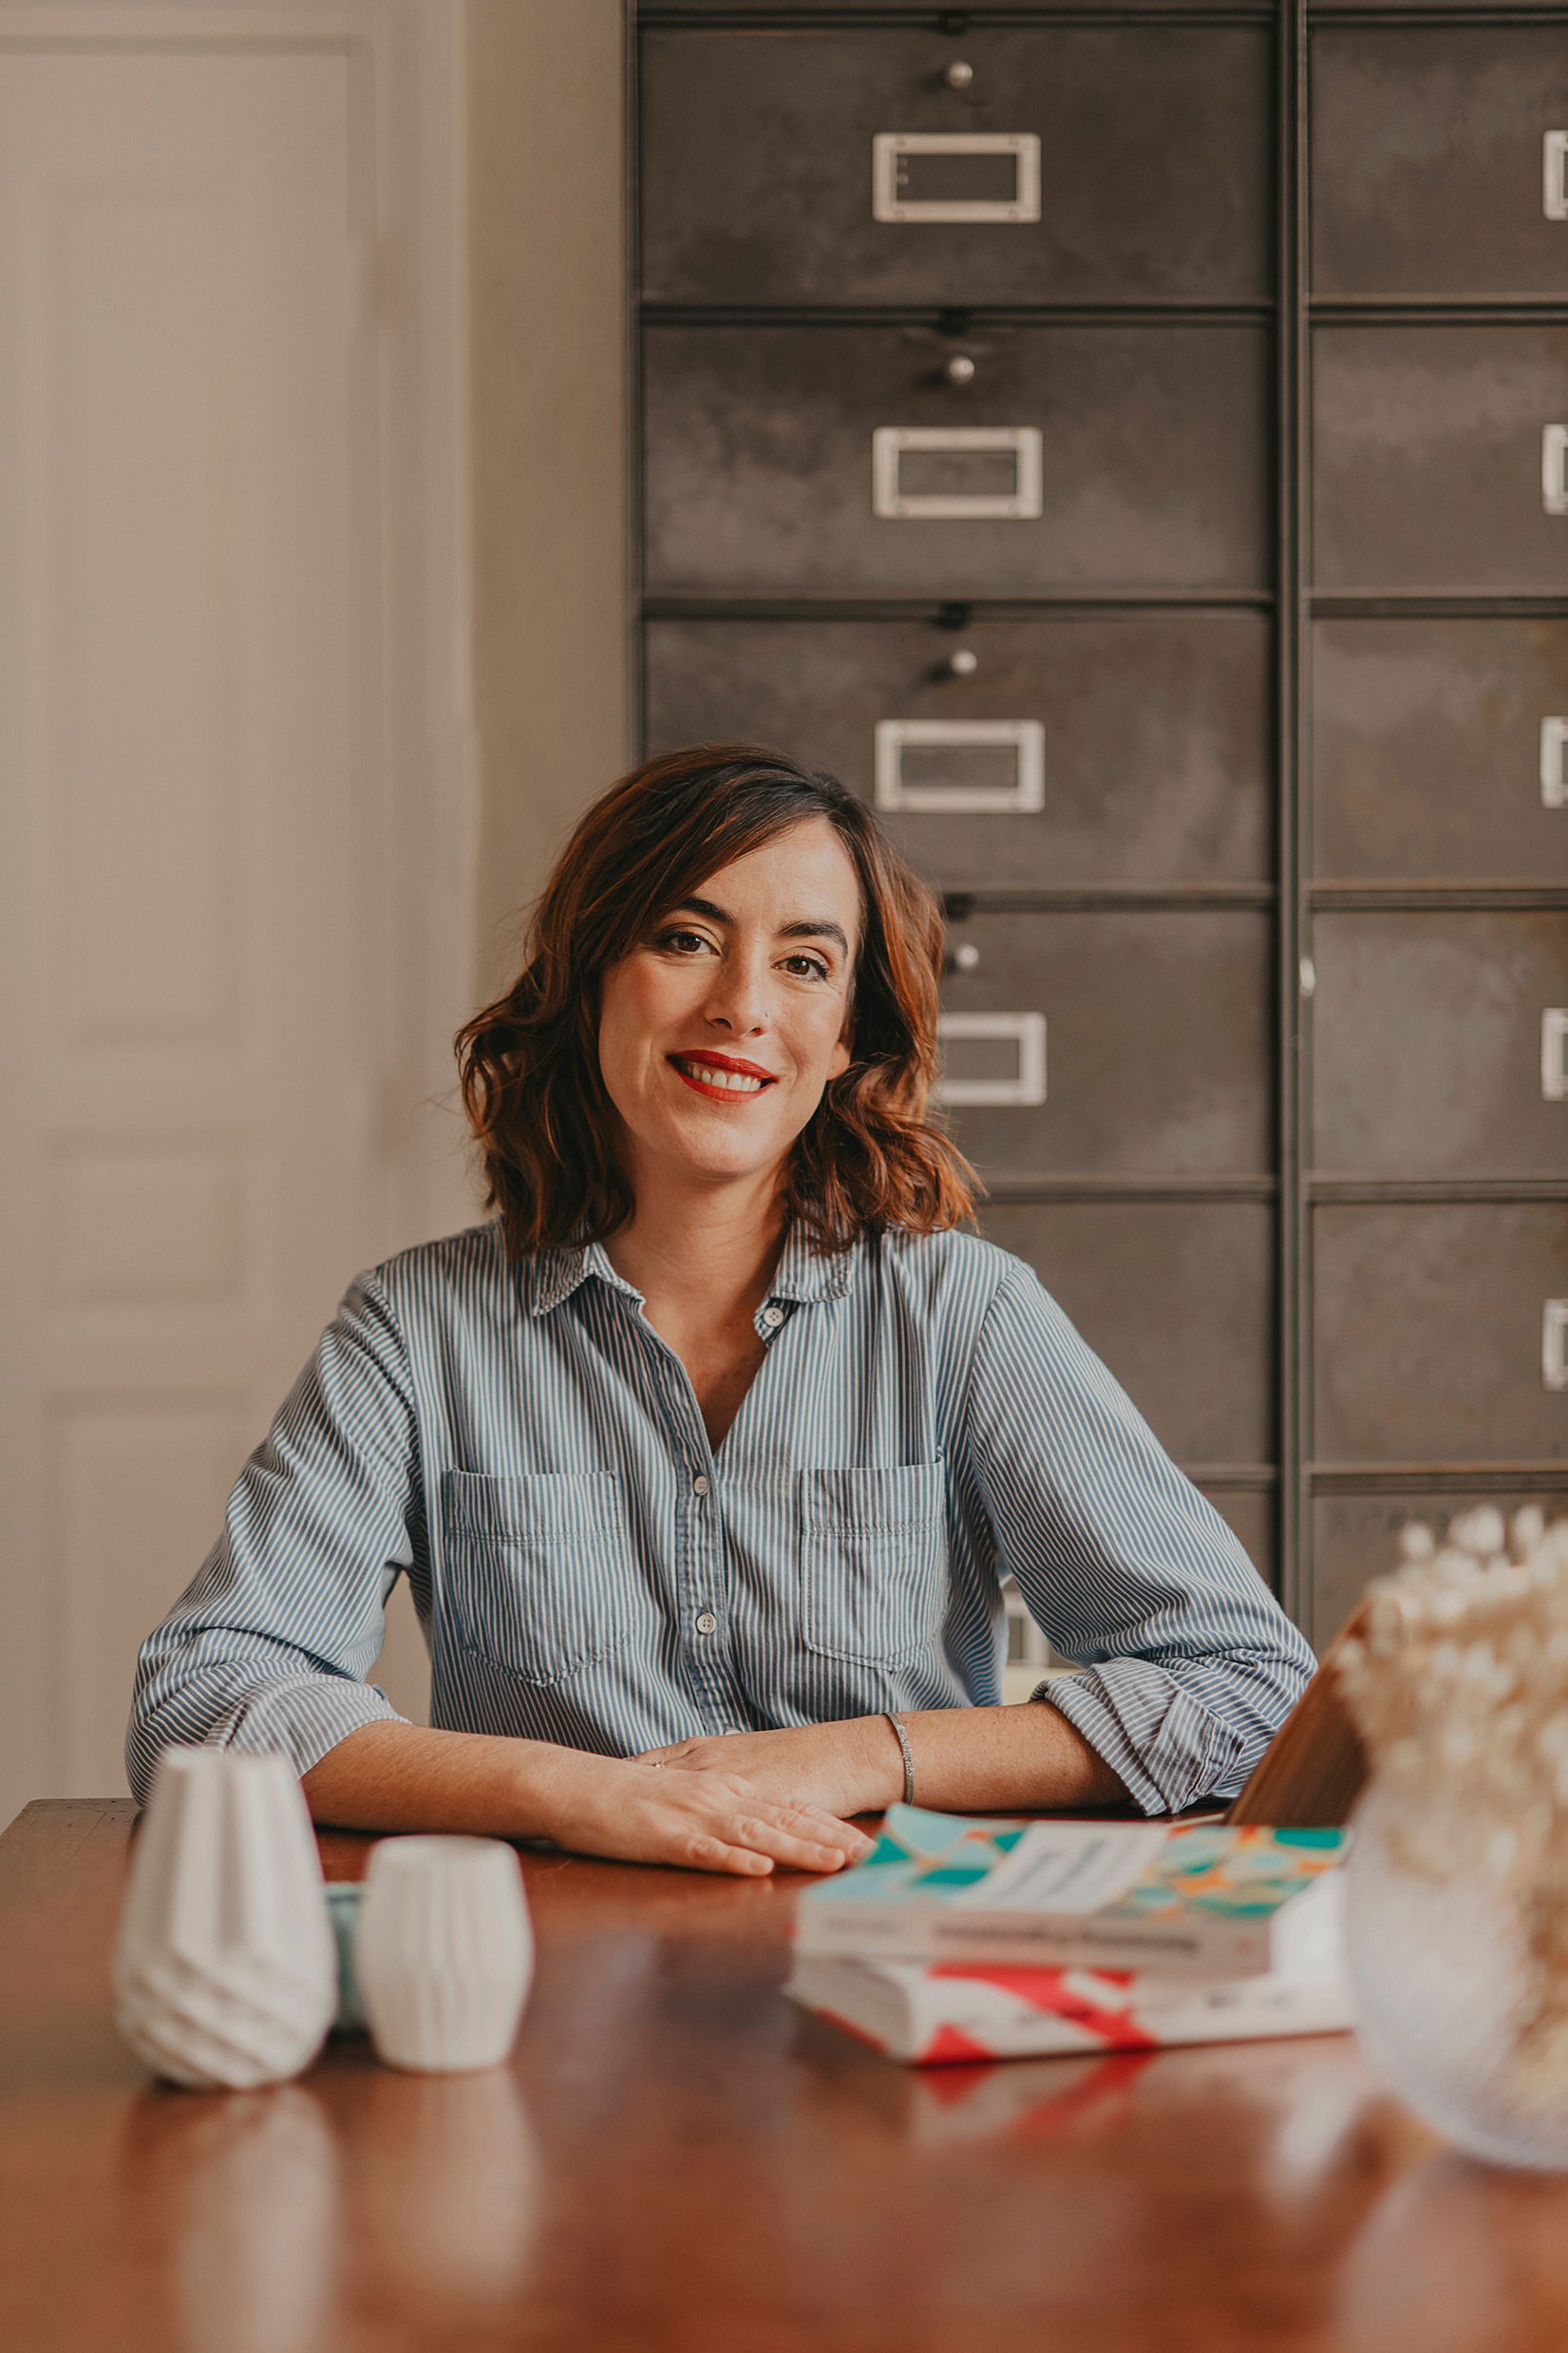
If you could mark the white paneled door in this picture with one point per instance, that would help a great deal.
(202, 1019)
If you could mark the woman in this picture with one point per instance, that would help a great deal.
(708, 1453)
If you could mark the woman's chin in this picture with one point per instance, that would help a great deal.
(716, 1159)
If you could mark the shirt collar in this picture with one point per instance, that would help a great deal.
(805, 1273)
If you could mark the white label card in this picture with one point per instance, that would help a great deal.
(1067, 1867)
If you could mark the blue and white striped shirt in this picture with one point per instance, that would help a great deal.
(522, 1446)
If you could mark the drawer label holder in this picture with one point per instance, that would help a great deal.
(918, 175)
(1554, 1344)
(1025, 796)
(1020, 503)
(1027, 1031)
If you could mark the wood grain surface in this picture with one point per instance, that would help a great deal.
(675, 2159)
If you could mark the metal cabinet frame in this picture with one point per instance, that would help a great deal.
(1293, 605)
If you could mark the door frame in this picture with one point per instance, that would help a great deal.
(407, 155)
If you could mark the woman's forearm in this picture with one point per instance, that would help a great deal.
(1026, 1758)
(397, 1776)
(977, 1760)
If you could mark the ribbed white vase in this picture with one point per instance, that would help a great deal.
(225, 1972)
(444, 1954)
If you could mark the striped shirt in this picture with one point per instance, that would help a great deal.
(520, 1443)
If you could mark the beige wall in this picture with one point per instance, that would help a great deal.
(547, 196)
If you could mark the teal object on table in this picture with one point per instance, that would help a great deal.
(343, 1899)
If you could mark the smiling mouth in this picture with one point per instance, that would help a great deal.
(718, 1080)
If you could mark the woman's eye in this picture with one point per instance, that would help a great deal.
(811, 965)
(682, 941)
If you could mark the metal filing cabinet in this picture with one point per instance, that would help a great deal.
(1157, 517)
(757, 151)
(1435, 1102)
(834, 460)
(952, 726)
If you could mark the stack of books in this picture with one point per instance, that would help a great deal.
(972, 1940)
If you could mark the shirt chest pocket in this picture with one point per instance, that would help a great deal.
(538, 1569)
(872, 1568)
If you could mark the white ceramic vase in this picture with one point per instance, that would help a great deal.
(444, 1954)
(225, 1971)
(1439, 1973)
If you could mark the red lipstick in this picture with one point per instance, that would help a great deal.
(720, 1062)
(724, 1062)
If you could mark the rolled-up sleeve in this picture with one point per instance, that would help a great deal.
(1189, 1663)
(268, 1646)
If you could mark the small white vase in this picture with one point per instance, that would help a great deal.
(225, 1972)
(1439, 1972)
(444, 1953)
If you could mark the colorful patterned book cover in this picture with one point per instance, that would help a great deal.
(954, 2012)
(1190, 1896)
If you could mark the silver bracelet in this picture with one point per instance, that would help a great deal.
(903, 1738)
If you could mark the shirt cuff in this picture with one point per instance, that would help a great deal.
(303, 1716)
(1163, 1742)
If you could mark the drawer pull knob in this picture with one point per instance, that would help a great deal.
(959, 74)
(1554, 468)
(1553, 1054)
(1554, 1344)
(937, 176)
(971, 472)
(1554, 175)
(965, 767)
(959, 368)
(1026, 1031)
(1553, 763)
(963, 956)
(961, 663)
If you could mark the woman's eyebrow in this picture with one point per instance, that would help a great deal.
(823, 929)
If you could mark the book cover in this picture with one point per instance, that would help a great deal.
(1197, 1898)
(951, 2012)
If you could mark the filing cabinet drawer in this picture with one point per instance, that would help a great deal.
(760, 156)
(1356, 1538)
(1079, 457)
(1441, 457)
(1153, 734)
(1440, 749)
(1177, 1298)
(1437, 1338)
(1439, 160)
(1151, 1053)
(1440, 1044)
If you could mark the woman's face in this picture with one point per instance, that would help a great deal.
(719, 1031)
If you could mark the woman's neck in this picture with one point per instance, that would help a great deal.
(710, 1254)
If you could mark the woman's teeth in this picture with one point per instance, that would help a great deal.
(707, 1075)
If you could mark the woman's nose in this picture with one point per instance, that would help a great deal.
(738, 996)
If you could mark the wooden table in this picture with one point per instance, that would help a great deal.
(677, 2159)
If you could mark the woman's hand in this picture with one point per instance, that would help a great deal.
(855, 1767)
(708, 1819)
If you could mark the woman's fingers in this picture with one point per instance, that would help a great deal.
(802, 1820)
(726, 1825)
(805, 1850)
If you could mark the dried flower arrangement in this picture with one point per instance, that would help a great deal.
(1459, 1685)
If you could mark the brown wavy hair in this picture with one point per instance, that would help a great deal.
(869, 1157)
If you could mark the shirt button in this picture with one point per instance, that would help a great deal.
(707, 1624)
(773, 1316)
(699, 1487)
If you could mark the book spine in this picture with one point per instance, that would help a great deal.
(920, 1932)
